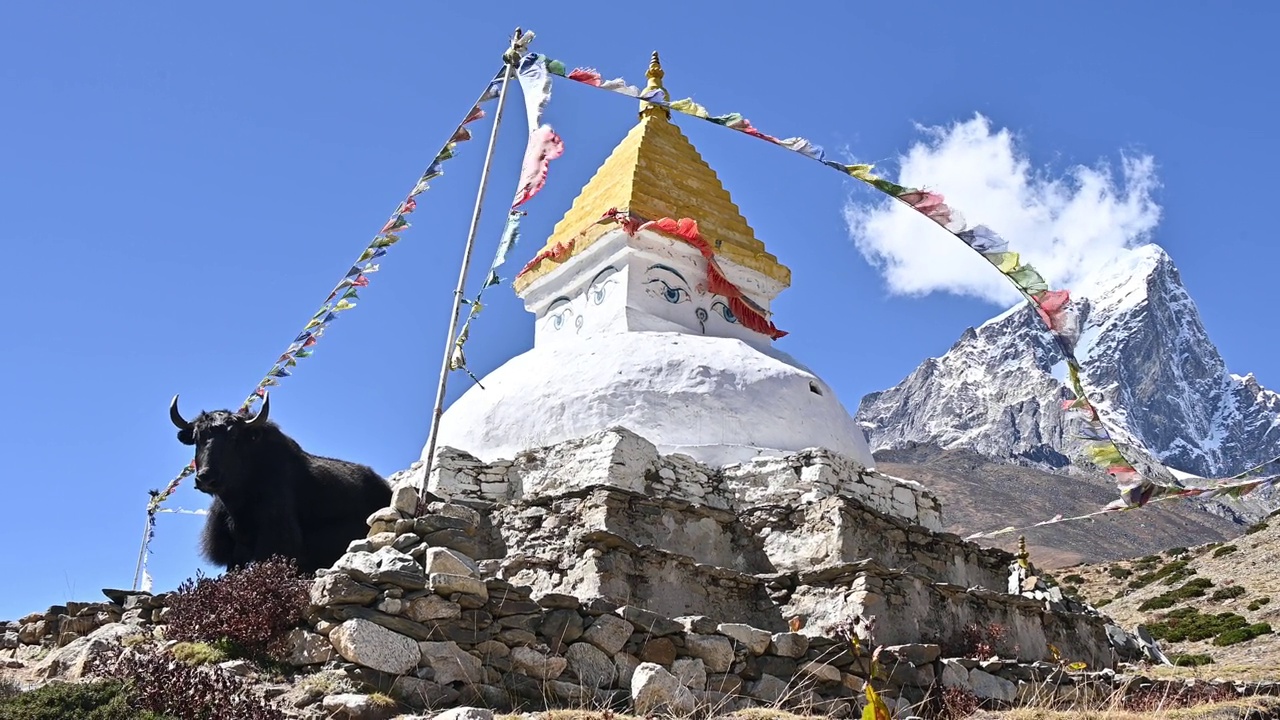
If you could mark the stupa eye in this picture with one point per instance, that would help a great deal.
(557, 320)
(725, 311)
(598, 292)
(670, 293)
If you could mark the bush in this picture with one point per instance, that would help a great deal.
(102, 700)
(1192, 589)
(1225, 550)
(248, 611)
(166, 686)
(1119, 573)
(1072, 580)
(1103, 602)
(193, 653)
(1228, 593)
(1258, 603)
(1175, 551)
(1190, 624)
(1192, 660)
(1239, 635)
(957, 704)
(1256, 527)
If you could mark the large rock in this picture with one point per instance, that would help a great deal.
(609, 633)
(592, 666)
(354, 706)
(388, 565)
(373, 646)
(755, 640)
(72, 660)
(450, 663)
(714, 650)
(432, 607)
(444, 561)
(339, 589)
(655, 691)
(990, 687)
(537, 665)
(308, 648)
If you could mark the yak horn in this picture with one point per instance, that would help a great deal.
(176, 416)
(261, 417)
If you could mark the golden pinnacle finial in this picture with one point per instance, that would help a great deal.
(654, 75)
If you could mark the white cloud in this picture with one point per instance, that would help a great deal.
(1065, 226)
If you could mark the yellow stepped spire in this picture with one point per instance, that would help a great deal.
(656, 172)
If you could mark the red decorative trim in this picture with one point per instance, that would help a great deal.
(748, 313)
(555, 253)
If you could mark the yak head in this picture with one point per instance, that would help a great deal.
(225, 443)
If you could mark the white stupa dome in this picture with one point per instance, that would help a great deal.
(717, 399)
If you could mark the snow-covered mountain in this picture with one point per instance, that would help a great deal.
(1147, 361)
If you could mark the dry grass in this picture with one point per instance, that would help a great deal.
(1234, 710)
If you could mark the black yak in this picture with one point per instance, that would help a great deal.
(271, 497)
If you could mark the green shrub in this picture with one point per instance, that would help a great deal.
(1256, 527)
(1225, 550)
(1258, 603)
(1159, 602)
(246, 612)
(1228, 593)
(1175, 551)
(197, 653)
(1102, 603)
(103, 700)
(1119, 573)
(1239, 635)
(1191, 660)
(1149, 560)
(1072, 580)
(1190, 624)
(1193, 588)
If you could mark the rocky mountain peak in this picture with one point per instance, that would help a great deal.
(1146, 356)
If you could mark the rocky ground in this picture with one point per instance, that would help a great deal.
(1177, 588)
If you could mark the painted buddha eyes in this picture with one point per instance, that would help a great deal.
(725, 311)
(670, 293)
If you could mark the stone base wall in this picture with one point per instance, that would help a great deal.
(620, 458)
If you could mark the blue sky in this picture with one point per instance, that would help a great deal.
(181, 185)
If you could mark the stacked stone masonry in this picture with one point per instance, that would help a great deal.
(598, 573)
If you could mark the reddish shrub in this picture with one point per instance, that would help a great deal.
(161, 684)
(252, 610)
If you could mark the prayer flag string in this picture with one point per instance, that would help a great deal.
(1139, 476)
(344, 295)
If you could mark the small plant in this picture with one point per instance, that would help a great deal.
(1256, 527)
(1225, 550)
(1191, 660)
(983, 641)
(1119, 573)
(1239, 635)
(1103, 602)
(197, 653)
(102, 700)
(247, 612)
(382, 700)
(957, 704)
(1072, 580)
(1175, 551)
(1258, 603)
(162, 685)
(1227, 593)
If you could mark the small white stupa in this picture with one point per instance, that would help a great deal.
(637, 327)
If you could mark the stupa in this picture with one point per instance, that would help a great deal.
(637, 327)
